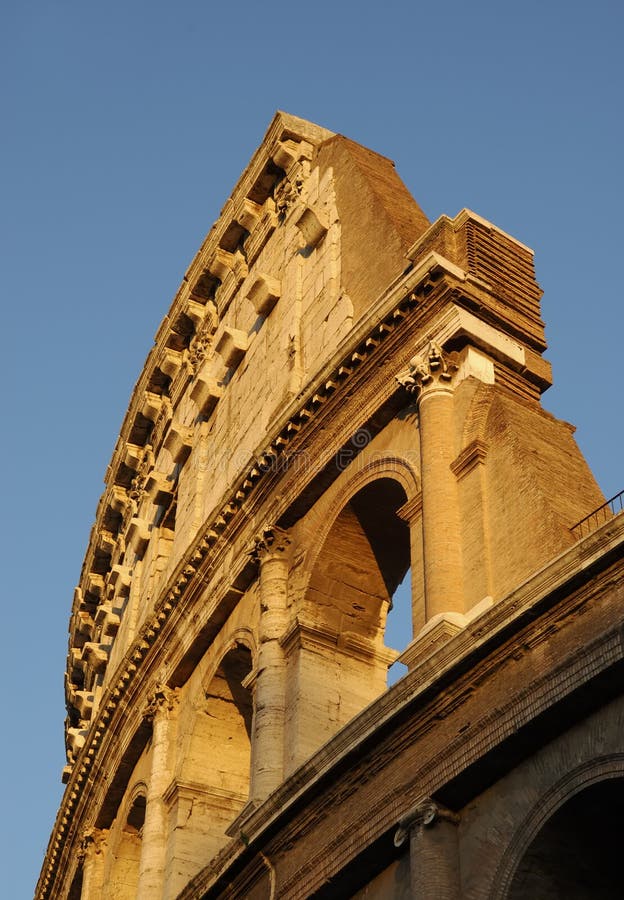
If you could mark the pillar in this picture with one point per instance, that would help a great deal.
(92, 851)
(267, 751)
(162, 709)
(434, 852)
(429, 378)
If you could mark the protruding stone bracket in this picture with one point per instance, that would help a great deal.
(248, 214)
(95, 656)
(285, 154)
(178, 441)
(108, 619)
(232, 345)
(95, 584)
(433, 368)
(159, 488)
(120, 578)
(424, 815)
(83, 701)
(151, 405)
(264, 293)
(222, 263)
(138, 535)
(195, 310)
(169, 361)
(312, 226)
(76, 738)
(206, 390)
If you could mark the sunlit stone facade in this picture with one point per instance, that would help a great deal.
(342, 392)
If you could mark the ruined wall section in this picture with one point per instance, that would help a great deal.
(262, 309)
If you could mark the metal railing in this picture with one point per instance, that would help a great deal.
(610, 508)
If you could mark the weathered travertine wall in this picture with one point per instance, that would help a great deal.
(341, 393)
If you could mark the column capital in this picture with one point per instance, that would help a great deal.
(161, 701)
(433, 369)
(92, 840)
(424, 815)
(271, 542)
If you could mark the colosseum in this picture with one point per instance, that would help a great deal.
(343, 394)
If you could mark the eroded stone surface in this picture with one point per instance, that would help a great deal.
(340, 393)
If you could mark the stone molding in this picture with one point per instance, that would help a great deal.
(547, 583)
(302, 635)
(471, 457)
(368, 343)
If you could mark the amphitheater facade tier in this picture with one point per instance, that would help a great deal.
(343, 393)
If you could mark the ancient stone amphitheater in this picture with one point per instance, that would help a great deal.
(343, 392)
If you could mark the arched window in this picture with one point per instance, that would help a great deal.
(339, 661)
(122, 875)
(576, 853)
(212, 782)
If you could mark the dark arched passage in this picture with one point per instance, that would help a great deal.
(576, 853)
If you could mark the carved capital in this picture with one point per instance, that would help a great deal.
(434, 368)
(271, 543)
(424, 815)
(201, 342)
(286, 193)
(92, 842)
(161, 702)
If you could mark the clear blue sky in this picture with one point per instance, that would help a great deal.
(125, 126)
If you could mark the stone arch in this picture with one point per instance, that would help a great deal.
(575, 789)
(212, 779)
(379, 466)
(364, 554)
(337, 661)
(124, 846)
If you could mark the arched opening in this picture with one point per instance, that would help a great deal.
(338, 662)
(121, 881)
(364, 559)
(399, 625)
(576, 852)
(212, 783)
